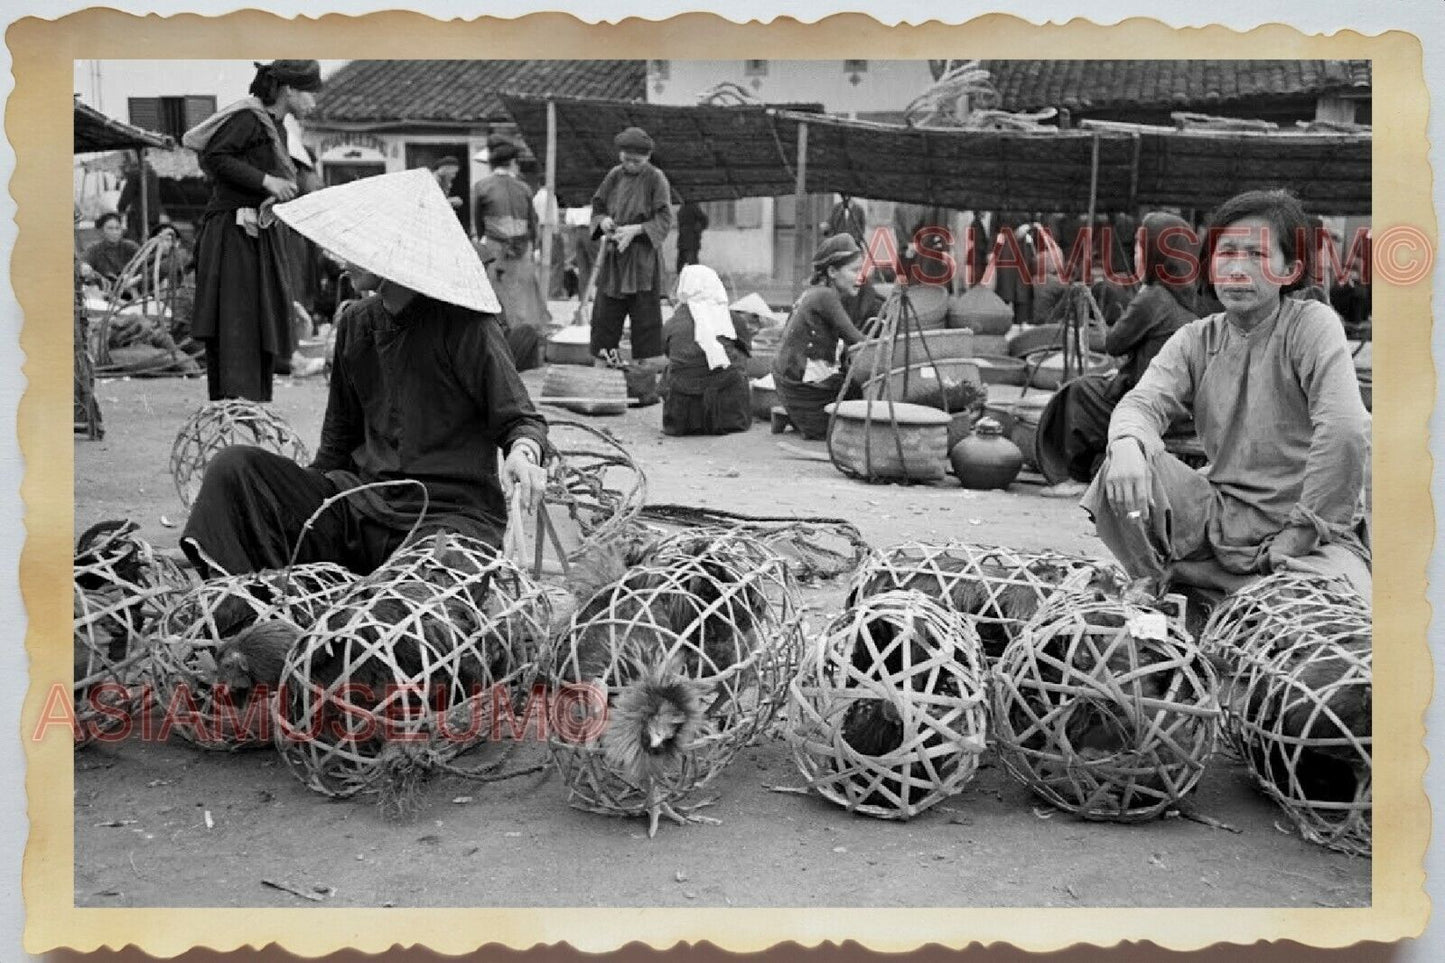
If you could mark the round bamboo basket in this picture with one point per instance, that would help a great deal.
(414, 656)
(887, 715)
(865, 444)
(594, 486)
(219, 425)
(195, 628)
(121, 589)
(996, 590)
(1100, 721)
(711, 614)
(942, 345)
(1268, 616)
(1304, 726)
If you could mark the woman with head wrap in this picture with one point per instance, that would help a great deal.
(705, 386)
(1074, 428)
(805, 371)
(506, 223)
(243, 289)
(632, 214)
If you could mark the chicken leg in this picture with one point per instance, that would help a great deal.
(682, 815)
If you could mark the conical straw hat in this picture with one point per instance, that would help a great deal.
(399, 227)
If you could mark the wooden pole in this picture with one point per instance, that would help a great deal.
(553, 210)
(800, 199)
(145, 213)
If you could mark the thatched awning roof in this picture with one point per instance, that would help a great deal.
(95, 131)
(716, 153)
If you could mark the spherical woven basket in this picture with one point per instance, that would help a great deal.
(183, 665)
(217, 426)
(1100, 721)
(1303, 724)
(888, 712)
(595, 484)
(995, 589)
(712, 609)
(415, 654)
(121, 588)
(1269, 616)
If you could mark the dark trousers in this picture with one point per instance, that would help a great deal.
(644, 309)
(251, 509)
(1073, 432)
(686, 256)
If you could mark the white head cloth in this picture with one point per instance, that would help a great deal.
(699, 287)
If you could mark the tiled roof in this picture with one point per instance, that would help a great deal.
(452, 91)
(1083, 85)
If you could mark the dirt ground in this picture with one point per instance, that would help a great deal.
(141, 809)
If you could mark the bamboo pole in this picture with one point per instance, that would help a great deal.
(553, 210)
(800, 197)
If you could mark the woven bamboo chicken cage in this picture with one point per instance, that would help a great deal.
(198, 628)
(217, 426)
(995, 589)
(121, 588)
(1104, 711)
(671, 670)
(888, 712)
(401, 673)
(1302, 718)
(1269, 616)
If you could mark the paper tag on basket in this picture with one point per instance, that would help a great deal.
(927, 374)
(1149, 625)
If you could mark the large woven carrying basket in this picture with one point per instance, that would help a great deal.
(587, 391)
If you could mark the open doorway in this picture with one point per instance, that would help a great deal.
(425, 155)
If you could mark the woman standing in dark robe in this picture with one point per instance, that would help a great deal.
(243, 284)
(805, 371)
(507, 225)
(705, 386)
(632, 213)
(1074, 428)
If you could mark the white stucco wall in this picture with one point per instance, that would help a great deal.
(886, 85)
(107, 85)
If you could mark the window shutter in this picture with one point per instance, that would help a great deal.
(198, 109)
(749, 212)
(145, 112)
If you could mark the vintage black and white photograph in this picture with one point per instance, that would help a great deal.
(722, 483)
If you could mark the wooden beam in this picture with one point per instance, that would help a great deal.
(800, 215)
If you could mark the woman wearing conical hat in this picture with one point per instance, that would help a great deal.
(422, 387)
(243, 289)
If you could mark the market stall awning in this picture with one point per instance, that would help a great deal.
(717, 153)
(95, 131)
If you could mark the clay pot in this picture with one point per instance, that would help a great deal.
(986, 459)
